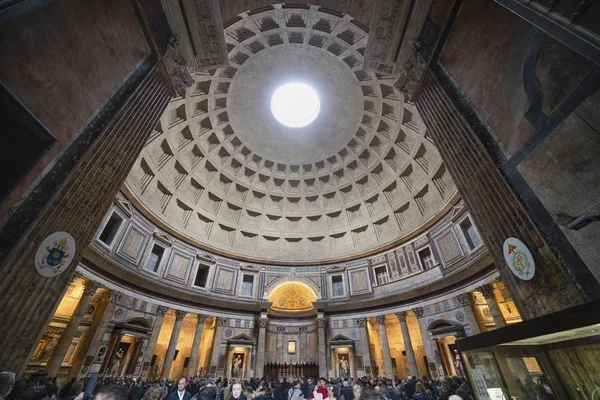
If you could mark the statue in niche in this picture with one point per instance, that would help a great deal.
(344, 365)
(116, 365)
(236, 365)
(460, 371)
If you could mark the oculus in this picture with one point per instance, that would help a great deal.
(295, 105)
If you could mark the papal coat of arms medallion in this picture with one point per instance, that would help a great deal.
(519, 258)
(55, 254)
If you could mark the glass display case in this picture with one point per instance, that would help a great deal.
(552, 357)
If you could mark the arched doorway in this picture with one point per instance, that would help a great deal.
(444, 334)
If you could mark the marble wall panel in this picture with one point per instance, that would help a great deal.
(449, 248)
(179, 266)
(133, 244)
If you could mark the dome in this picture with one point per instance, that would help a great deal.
(221, 172)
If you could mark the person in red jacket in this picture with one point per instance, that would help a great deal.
(321, 389)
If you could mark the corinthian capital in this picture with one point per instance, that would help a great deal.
(401, 316)
(419, 312)
(380, 319)
(321, 322)
(487, 291)
(180, 315)
(463, 299)
(90, 288)
(161, 311)
(115, 296)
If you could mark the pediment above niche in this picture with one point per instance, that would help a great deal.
(340, 338)
(206, 258)
(242, 337)
(457, 210)
(249, 268)
(124, 206)
(163, 238)
(337, 268)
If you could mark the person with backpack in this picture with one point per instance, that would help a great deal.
(295, 393)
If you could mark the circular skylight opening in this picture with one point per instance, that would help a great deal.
(295, 105)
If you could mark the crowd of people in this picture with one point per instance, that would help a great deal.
(40, 387)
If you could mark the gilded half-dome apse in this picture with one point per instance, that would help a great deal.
(221, 172)
(292, 296)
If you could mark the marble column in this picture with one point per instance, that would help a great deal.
(193, 363)
(410, 353)
(427, 344)
(166, 371)
(259, 369)
(465, 300)
(365, 349)
(214, 359)
(321, 321)
(488, 293)
(158, 321)
(92, 351)
(385, 347)
(69, 333)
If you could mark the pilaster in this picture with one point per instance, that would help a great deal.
(321, 324)
(260, 353)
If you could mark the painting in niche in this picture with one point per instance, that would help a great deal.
(292, 346)
(237, 365)
(344, 364)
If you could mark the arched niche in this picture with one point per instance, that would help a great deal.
(292, 296)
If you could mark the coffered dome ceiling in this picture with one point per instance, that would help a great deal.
(222, 173)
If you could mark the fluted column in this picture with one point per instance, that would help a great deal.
(109, 310)
(67, 337)
(166, 371)
(214, 359)
(387, 357)
(427, 345)
(465, 300)
(193, 363)
(410, 353)
(158, 321)
(488, 294)
(321, 321)
(259, 369)
(364, 341)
